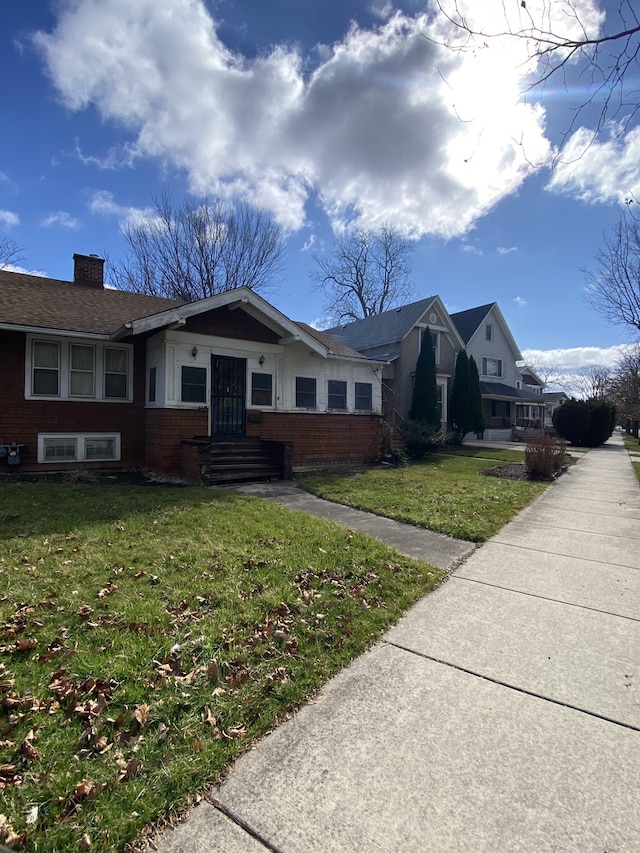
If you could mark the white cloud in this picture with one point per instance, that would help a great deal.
(520, 302)
(103, 203)
(17, 268)
(599, 171)
(388, 127)
(506, 250)
(9, 219)
(61, 219)
(572, 359)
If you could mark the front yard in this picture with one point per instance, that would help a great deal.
(150, 634)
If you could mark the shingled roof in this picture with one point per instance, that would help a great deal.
(498, 390)
(466, 322)
(335, 346)
(386, 328)
(32, 301)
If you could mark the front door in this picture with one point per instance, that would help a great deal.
(228, 388)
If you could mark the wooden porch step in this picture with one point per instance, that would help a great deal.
(237, 460)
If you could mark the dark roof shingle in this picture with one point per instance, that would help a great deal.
(47, 303)
(381, 329)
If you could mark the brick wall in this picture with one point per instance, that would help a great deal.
(165, 429)
(319, 439)
(21, 420)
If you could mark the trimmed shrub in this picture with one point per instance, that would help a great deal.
(571, 421)
(420, 438)
(585, 423)
(602, 421)
(544, 457)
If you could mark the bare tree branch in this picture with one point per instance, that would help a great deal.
(367, 273)
(613, 289)
(10, 252)
(199, 249)
(606, 62)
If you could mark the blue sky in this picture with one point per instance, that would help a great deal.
(327, 114)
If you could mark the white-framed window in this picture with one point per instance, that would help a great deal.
(76, 370)
(115, 372)
(261, 389)
(305, 392)
(363, 396)
(82, 370)
(78, 447)
(336, 394)
(45, 365)
(193, 384)
(492, 367)
(440, 400)
(488, 332)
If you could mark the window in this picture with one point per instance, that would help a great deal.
(261, 389)
(83, 447)
(435, 342)
(46, 368)
(60, 450)
(488, 332)
(115, 372)
(152, 384)
(439, 402)
(99, 448)
(77, 370)
(492, 367)
(194, 385)
(82, 381)
(337, 394)
(363, 397)
(305, 393)
(518, 384)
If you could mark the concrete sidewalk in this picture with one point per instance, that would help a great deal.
(502, 713)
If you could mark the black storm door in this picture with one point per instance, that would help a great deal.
(228, 389)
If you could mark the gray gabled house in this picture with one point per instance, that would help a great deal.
(394, 338)
(510, 400)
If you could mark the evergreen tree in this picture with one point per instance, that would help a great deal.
(424, 406)
(477, 422)
(461, 397)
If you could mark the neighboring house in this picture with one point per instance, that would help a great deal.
(95, 377)
(395, 337)
(552, 400)
(508, 402)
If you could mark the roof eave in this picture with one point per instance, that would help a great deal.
(46, 330)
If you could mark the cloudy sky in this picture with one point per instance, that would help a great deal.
(327, 114)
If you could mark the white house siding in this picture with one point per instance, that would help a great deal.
(170, 350)
(499, 347)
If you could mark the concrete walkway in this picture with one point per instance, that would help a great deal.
(501, 714)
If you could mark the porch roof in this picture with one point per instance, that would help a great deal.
(500, 391)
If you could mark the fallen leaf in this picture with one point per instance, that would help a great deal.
(141, 714)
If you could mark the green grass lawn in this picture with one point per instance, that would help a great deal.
(631, 443)
(496, 453)
(442, 493)
(149, 634)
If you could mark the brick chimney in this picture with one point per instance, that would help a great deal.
(88, 271)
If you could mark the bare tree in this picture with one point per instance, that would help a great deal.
(10, 252)
(625, 388)
(367, 273)
(614, 288)
(548, 371)
(592, 380)
(557, 38)
(199, 249)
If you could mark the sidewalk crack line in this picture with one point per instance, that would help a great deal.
(523, 690)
